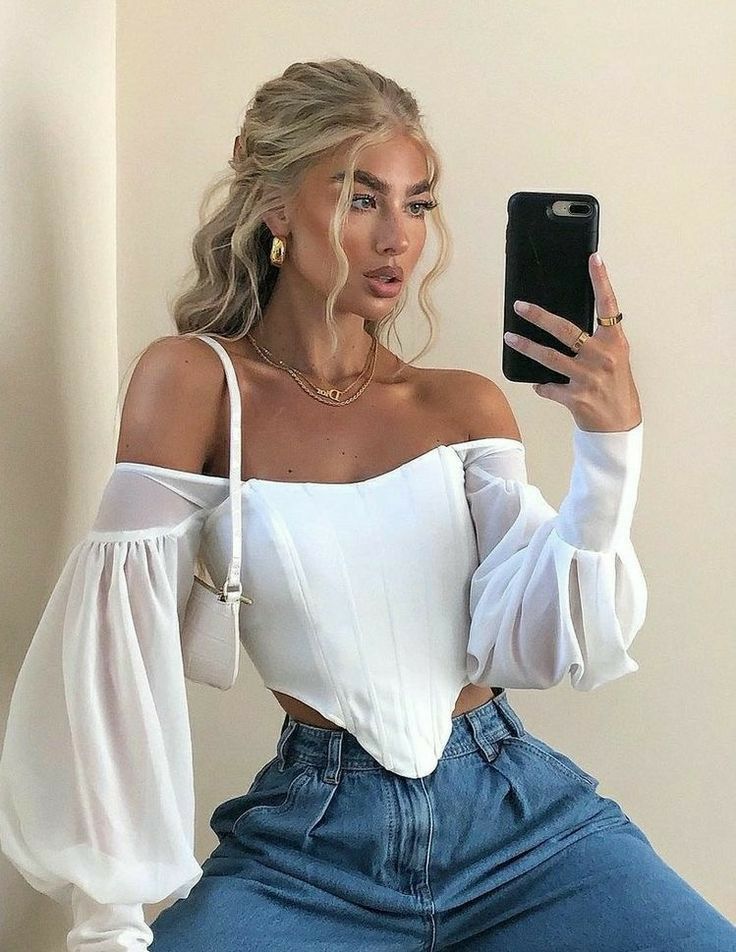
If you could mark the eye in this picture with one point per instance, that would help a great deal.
(424, 206)
(363, 198)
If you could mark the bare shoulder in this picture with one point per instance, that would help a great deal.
(479, 405)
(170, 412)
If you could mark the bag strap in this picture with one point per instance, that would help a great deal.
(233, 588)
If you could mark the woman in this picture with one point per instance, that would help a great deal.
(400, 566)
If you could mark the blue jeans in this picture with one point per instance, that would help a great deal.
(505, 846)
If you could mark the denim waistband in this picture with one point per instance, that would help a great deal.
(482, 727)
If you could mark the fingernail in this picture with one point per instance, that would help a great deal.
(597, 259)
(511, 338)
(521, 307)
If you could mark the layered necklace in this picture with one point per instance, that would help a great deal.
(333, 396)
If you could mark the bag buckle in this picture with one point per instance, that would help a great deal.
(236, 590)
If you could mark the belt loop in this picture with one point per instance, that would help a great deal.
(286, 732)
(333, 770)
(489, 747)
(509, 716)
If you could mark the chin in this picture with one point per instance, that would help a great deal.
(372, 311)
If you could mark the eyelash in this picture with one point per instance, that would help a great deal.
(427, 206)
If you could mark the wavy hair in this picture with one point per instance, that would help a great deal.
(293, 121)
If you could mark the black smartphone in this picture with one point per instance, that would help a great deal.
(549, 239)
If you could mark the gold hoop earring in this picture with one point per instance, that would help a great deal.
(278, 251)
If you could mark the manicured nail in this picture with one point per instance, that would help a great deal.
(511, 338)
(597, 259)
(521, 307)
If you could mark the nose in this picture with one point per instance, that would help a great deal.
(392, 235)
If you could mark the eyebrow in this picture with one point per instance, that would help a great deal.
(379, 184)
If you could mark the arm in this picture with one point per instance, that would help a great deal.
(97, 736)
(171, 413)
(553, 592)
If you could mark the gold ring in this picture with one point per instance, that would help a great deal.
(584, 335)
(581, 338)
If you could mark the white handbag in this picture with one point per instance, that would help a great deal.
(210, 630)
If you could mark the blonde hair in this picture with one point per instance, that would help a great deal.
(290, 123)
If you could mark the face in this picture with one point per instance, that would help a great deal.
(385, 225)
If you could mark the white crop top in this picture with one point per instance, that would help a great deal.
(374, 602)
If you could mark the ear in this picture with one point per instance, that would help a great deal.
(278, 222)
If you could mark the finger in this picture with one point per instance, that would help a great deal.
(557, 392)
(606, 304)
(553, 391)
(557, 326)
(547, 356)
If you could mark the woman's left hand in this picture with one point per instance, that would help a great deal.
(601, 395)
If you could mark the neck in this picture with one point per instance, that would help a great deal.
(293, 329)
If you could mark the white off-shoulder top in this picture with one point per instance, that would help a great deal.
(374, 602)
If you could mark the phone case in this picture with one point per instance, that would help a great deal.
(549, 239)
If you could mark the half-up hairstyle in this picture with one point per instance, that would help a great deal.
(292, 122)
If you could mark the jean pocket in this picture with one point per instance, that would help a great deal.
(268, 786)
(272, 796)
(563, 764)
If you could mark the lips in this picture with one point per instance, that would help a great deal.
(386, 272)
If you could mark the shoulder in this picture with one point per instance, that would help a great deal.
(171, 405)
(477, 403)
(186, 360)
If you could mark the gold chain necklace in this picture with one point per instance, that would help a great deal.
(333, 395)
(334, 392)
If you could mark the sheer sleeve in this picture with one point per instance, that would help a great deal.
(96, 780)
(555, 592)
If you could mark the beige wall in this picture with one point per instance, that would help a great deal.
(632, 102)
(59, 327)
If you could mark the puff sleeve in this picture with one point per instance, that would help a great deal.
(555, 592)
(96, 780)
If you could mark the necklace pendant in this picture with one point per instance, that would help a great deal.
(334, 394)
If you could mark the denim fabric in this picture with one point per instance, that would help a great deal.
(506, 846)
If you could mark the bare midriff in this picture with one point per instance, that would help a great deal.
(471, 696)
